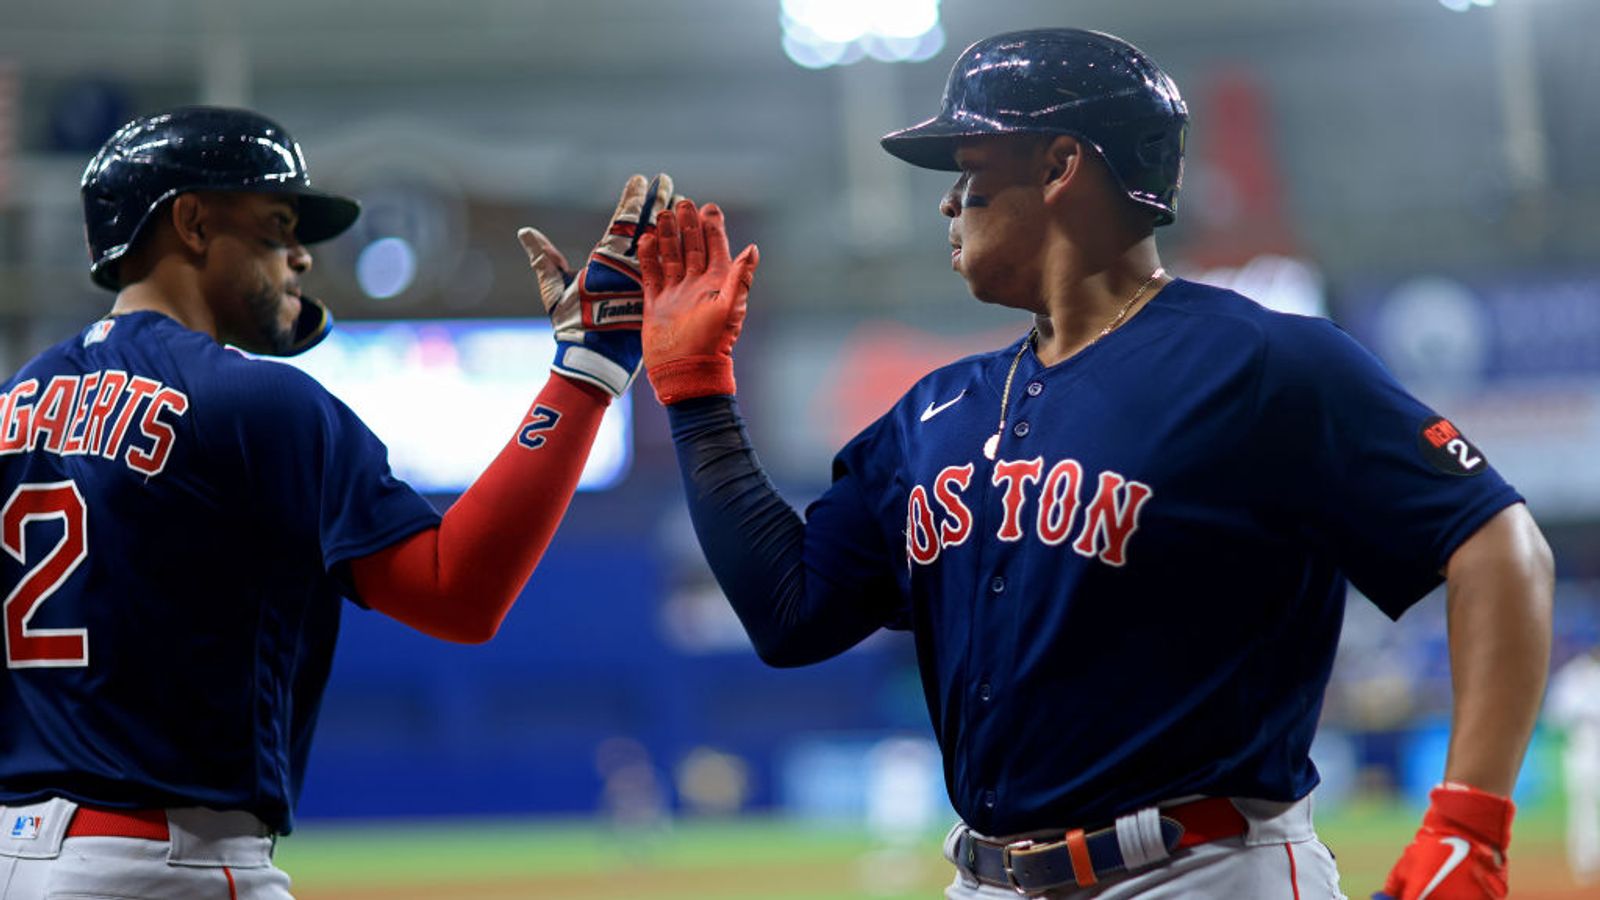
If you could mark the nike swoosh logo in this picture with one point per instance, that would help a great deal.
(932, 410)
(1458, 851)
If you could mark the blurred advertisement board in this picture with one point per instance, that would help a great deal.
(446, 395)
(1513, 359)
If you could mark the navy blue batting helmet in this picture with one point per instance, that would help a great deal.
(195, 148)
(1095, 87)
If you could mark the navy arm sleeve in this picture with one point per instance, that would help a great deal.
(805, 590)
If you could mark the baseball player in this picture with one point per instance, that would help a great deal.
(1121, 542)
(1575, 707)
(180, 520)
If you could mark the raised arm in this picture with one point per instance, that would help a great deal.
(804, 590)
(458, 581)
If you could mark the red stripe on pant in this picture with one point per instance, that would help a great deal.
(233, 889)
(1294, 882)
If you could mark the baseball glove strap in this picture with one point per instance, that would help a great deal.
(1082, 857)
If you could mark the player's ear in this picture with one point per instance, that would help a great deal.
(1062, 162)
(190, 218)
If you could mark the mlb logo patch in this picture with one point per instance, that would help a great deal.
(98, 331)
(26, 828)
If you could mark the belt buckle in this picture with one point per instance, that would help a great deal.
(1005, 863)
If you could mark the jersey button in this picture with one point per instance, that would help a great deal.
(1035, 388)
(983, 692)
(997, 584)
(1021, 429)
(988, 799)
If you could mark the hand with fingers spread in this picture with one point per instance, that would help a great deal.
(597, 312)
(694, 302)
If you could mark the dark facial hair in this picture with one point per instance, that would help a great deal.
(262, 305)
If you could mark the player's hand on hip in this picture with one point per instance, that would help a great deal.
(694, 302)
(597, 312)
(1460, 851)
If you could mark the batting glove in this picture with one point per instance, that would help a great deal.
(597, 313)
(1460, 851)
(694, 302)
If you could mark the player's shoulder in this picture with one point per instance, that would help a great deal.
(243, 386)
(1227, 315)
(220, 382)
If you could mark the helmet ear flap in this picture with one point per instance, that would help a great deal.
(1151, 149)
(1156, 149)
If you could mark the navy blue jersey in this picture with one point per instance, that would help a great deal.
(1140, 597)
(173, 515)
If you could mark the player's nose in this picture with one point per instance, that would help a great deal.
(299, 258)
(950, 203)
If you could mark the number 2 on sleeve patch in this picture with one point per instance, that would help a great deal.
(1447, 449)
(540, 420)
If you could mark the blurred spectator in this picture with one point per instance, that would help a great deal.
(633, 800)
(1574, 705)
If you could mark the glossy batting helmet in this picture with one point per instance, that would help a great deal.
(195, 148)
(1093, 86)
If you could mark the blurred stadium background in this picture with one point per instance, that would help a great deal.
(1422, 171)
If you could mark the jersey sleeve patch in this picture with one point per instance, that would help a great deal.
(1448, 450)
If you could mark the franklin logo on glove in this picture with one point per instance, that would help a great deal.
(597, 312)
(608, 311)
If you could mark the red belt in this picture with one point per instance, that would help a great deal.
(145, 824)
(1081, 857)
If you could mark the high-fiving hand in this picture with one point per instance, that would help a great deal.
(694, 302)
(597, 313)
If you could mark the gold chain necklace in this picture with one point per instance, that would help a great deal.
(992, 445)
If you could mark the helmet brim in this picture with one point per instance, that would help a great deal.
(323, 216)
(932, 144)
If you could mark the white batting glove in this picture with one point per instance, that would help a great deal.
(597, 313)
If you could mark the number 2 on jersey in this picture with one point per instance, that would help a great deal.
(43, 647)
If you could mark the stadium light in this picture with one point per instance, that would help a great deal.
(822, 33)
(1464, 5)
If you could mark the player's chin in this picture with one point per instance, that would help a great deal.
(980, 287)
(988, 293)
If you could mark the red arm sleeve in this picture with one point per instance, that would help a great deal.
(458, 581)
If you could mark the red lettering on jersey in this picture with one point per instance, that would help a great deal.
(922, 542)
(5, 412)
(73, 443)
(957, 525)
(43, 647)
(1016, 473)
(1058, 501)
(139, 388)
(19, 418)
(1441, 433)
(151, 462)
(51, 413)
(112, 381)
(1116, 522)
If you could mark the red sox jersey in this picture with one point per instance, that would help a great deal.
(174, 517)
(1139, 598)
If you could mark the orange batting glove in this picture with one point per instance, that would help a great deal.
(694, 302)
(1460, 851)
